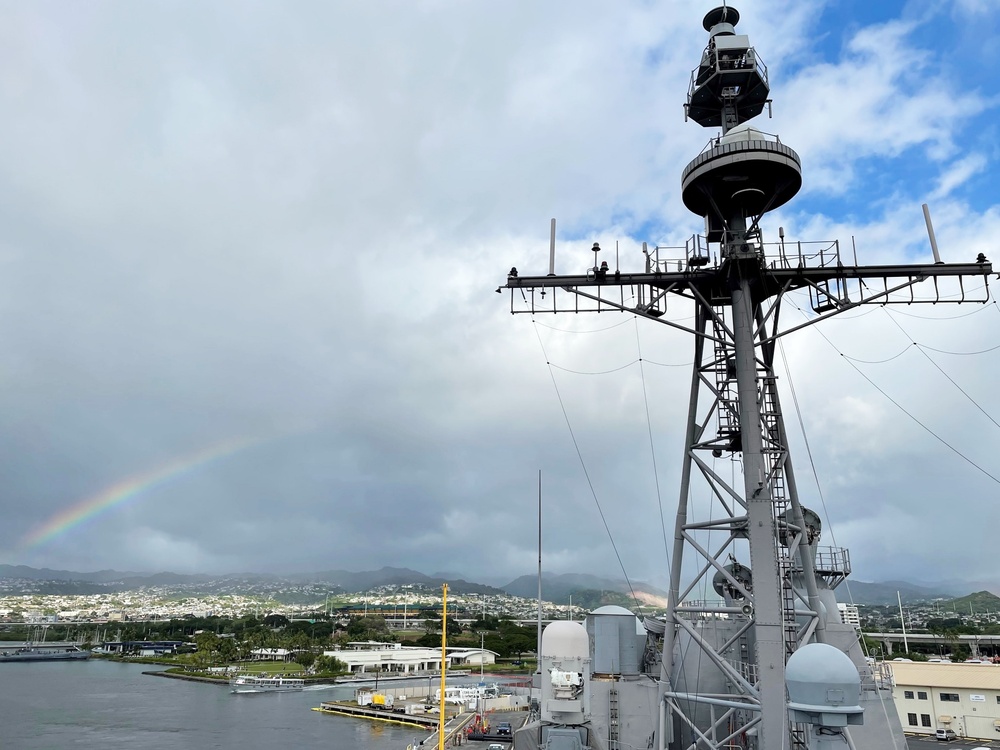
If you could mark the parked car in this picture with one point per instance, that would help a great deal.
(946, 735)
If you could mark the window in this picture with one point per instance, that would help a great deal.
(908, 694)
(911, 719)
(925, 720)
(949, 697)
(921, 695)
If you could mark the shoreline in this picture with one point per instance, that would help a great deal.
(187, 677)
(224, 681)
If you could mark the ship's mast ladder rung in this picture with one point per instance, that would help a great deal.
(725, 383)
(613, 733)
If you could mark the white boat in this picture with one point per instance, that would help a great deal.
(256, 683)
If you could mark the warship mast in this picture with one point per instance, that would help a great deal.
(724, 676)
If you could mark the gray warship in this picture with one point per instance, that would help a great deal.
(42, 652)
(764, 660)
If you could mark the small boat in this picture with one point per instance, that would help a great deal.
(256, 683)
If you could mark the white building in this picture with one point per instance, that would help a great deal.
(472, 656)
(362, 657)
(962, 697)
(271, 654)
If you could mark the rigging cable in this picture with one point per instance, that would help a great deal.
(583, 465)
(943, 317)
(595, 330)
(601, 372)
(961, 390)
(826, 510)
(652, 450)
(960, 354)
(879, 361)
(805, 438)
(899, 406)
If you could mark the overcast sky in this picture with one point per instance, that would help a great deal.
(248, 254)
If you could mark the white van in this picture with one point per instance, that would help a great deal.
(946, 735)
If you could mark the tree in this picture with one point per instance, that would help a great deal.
(432, 621)
(243, 650)
(371, 628)
(429, 640)
(521, 642)
(329, 664)
(298, 640)
(208, 643)
(489, 622)
(228, 650)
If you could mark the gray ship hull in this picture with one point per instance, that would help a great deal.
(43, 654)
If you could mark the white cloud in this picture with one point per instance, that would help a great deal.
(883, 98)
(958, 174)
(976, 7)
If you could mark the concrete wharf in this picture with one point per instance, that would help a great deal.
(344, 708)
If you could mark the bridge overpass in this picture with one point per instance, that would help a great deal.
(979, 645)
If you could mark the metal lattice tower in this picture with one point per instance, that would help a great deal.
(771, 599)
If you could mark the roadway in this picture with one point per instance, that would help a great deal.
(926, 743)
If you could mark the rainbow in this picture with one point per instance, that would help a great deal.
(131, 488)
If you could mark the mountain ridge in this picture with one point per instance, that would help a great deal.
(588, 591)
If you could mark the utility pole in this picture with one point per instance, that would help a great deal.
(765, 571)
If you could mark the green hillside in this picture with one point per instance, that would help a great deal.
(981, 601)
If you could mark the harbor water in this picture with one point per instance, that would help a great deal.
(100, 705)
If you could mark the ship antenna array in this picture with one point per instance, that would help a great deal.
(736, 283)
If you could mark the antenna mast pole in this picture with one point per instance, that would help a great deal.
(538, 644)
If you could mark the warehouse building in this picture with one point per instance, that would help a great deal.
(938, 695)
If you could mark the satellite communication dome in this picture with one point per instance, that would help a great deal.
(824, 686)
(562, 639)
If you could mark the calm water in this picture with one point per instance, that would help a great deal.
(98, 705)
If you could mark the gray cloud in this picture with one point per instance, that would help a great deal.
(286, 225)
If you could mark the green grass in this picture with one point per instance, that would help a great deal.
(269, 667)
(527, 666)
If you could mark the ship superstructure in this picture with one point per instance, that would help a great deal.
(762, 661)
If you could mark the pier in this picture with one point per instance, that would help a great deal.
(378, 714)
(409, 708)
